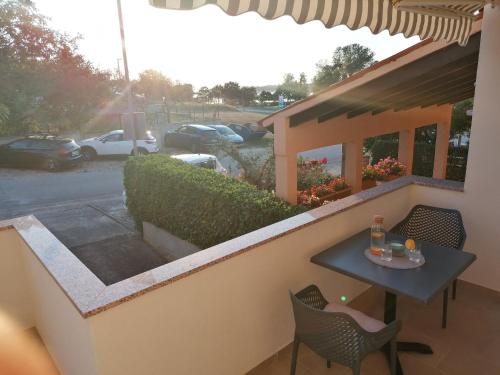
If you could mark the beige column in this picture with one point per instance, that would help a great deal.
(354, 164)
(481, 212)
(286, 177)
(406, 147)
(285, 162)
(441, 150)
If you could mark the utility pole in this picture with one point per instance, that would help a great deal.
(127, 78)
(118, 70)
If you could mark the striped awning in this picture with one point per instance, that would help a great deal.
(449, 20)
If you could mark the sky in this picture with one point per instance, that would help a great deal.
(205, 46)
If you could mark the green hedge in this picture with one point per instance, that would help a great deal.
(196, 204)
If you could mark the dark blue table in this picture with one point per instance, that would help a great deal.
(442, 266)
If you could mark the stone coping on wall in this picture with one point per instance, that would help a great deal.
(90, 296)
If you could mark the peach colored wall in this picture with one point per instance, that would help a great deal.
(15, 293)
(339, 130)
(311, 135)
(229, 317)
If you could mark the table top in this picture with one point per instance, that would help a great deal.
(442, 266)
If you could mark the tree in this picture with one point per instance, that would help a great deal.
(265, 96)
(182, 92)
(45, 81)
(248, 94)
(461, 122)
(216, 92)
(231, 91)
(203, 93)
(346, 61)
(292, 89)
(153, 85)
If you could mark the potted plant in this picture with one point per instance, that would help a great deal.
(317, 195)
(389, 169)
(312, 172)
(369, 177)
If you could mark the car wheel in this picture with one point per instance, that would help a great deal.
(167, 141)
(51, 165)
(88, 154)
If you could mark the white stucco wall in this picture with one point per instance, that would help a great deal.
(15, 294)
(65, 332)
(30, 296)
(231, 316)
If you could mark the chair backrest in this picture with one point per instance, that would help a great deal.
(334, 336)
(441, 226)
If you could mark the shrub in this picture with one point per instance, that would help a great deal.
(196, 204)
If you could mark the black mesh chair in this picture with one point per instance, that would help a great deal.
(441, 226)
(336, 336)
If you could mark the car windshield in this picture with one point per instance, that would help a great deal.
(210, 134)
(225, 131)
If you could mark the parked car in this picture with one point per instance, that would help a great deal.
(192, 137)
(227, 134)
(249, 131)
(202, 160)
(47, 151)
(113, 143)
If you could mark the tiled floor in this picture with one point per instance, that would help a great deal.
(469, 346)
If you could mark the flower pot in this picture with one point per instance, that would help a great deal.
(335, 195)
(368, 184)
(392, 177)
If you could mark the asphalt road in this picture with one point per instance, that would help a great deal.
(24, 190)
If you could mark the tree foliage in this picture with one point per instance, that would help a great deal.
(345, 61)
(293, 89)
(45, 81)
(461, 122)
(153, 85)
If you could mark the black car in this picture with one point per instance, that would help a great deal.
(192, 137)
(249, 131)
(46, 151)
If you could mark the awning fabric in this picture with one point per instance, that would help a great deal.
(441, 20)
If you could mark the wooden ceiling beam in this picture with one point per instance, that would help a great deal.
(438, 60)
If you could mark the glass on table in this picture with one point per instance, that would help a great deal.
(415, 255)
(386, 253)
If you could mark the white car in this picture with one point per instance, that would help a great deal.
(202, 160)
(112, 143)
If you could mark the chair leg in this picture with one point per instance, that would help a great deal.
(393, 345)
(329, 364)
(356, 370)
(454, 292)
(295, 351)
(445, 308)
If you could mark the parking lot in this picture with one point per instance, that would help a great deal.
(83, 207)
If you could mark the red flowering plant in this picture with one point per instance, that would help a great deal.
(389, 167)
(312, 172)
(369, 173)
(312, 197)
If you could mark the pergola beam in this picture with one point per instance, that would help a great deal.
(439, 61)
(386, 98)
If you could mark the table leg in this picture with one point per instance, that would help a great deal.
(389, 316)
(390, 307)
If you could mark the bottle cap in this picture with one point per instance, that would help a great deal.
(378, 219)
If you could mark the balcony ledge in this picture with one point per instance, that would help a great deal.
(90, 296)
